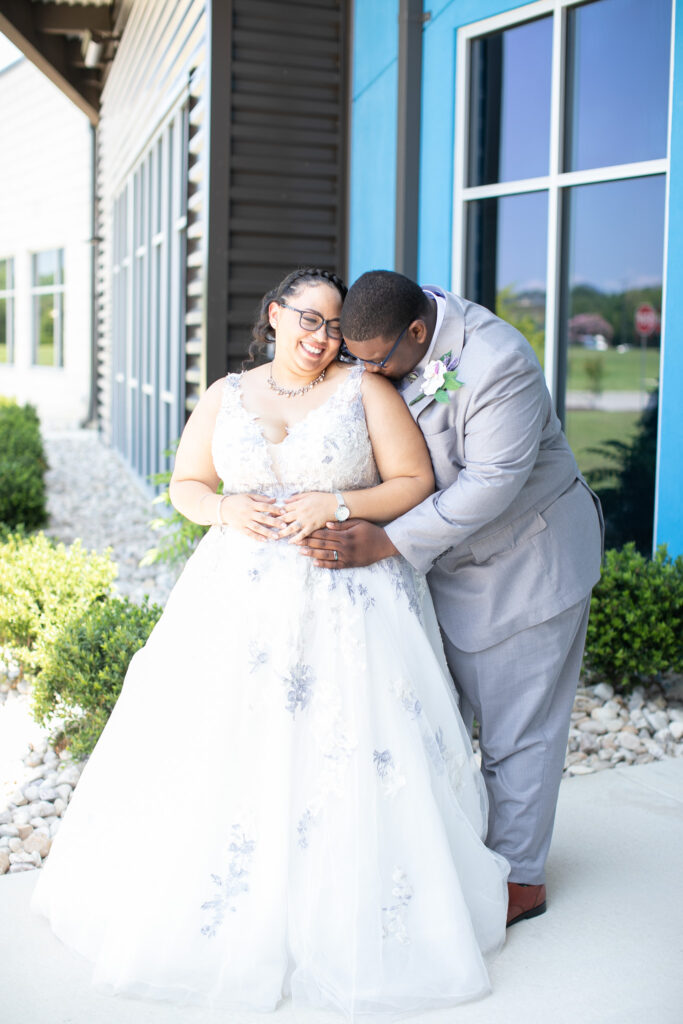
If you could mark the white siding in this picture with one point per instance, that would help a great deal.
(45, 203)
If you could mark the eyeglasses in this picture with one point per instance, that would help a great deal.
(383, 362)
(311, 321)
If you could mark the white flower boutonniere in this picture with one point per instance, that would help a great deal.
(439, 378)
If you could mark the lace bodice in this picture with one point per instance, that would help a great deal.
(329, 450)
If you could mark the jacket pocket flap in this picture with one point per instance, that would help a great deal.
(516, 532)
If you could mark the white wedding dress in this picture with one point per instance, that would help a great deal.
(284, 800)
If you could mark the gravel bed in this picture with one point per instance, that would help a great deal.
(94, 496)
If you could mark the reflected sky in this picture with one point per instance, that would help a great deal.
(617, 233)
(510, 90)
(618, 82)
(522, 241)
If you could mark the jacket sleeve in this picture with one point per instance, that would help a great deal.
(503, 426)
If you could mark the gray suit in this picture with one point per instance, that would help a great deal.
(511, 542)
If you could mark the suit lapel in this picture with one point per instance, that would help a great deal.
(451, 338)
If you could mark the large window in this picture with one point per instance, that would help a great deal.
(148, 308)
(561, 164)
(47, 290)
(6, 310)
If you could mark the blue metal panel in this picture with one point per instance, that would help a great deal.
(372, 208)
(438, 122)
(669, 500)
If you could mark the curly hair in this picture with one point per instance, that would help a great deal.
(380, 304)
(262, 332)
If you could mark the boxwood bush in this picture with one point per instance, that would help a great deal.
(635, 630)
(83, 668)
(42, 585)
(22, 467)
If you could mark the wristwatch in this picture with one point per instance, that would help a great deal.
(341, 512)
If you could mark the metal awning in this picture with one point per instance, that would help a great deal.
(72, 43)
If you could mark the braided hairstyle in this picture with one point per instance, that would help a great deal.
(262, 332)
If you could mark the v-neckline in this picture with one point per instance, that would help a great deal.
(289, 430)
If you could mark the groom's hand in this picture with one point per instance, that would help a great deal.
(356, 542)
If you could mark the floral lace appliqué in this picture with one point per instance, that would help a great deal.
(390, 777)
(299, 683)
(407, 696)
(241, 849)
(393, 917)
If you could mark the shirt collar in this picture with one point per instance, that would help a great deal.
(440, 299)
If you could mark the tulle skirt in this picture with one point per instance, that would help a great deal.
(284, 800)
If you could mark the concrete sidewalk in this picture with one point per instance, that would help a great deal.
(609, 950)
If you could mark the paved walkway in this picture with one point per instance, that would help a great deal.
(608, 951)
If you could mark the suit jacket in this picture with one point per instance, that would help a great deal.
(512, 535)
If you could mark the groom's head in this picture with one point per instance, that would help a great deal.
(387, 321)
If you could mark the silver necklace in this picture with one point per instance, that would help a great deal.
(293, 392)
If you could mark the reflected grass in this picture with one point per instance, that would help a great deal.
(590, 428)
(621, 371)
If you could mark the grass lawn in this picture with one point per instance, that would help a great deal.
(621, 371)
(590, 428)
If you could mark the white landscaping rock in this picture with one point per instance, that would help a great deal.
(676, 729)
(629, 741)
(4, 862)
(604, 691)
(657, 719)
(38, 843)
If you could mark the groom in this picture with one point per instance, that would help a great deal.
(511, 541)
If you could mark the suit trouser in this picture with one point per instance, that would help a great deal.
(522, 693)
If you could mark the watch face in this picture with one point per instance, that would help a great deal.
(342, 513)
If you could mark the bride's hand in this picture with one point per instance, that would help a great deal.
(253, 514)
(304, 513)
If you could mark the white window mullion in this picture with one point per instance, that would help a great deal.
(554, 251)
(461, 136)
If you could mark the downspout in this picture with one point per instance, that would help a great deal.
(410, 19)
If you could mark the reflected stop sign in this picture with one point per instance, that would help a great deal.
(646, 320)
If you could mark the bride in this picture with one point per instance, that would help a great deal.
(284, 800)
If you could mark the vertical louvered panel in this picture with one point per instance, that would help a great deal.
(195, 262)
(287, 152)
(162, 45)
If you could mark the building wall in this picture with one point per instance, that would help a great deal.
(45, 203)
(669, 501)
(373, 132)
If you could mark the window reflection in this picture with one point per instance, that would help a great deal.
(48, 305)
(615, 234)
(6, 311)
(506, 261)
(617, 82)
(510, 103)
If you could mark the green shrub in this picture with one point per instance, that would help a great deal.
(178, 536)
(635, 630)
(42, 585)
(22, 467)
(83, 668)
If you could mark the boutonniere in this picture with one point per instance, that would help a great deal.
(439, 378)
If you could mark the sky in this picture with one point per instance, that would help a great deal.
(8, 52)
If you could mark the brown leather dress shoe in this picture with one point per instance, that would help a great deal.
(524, 901)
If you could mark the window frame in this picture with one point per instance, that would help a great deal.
(555, 183)
(57, 290)
(9, 295)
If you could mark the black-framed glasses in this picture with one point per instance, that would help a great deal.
(311, 321)
(381, 363)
